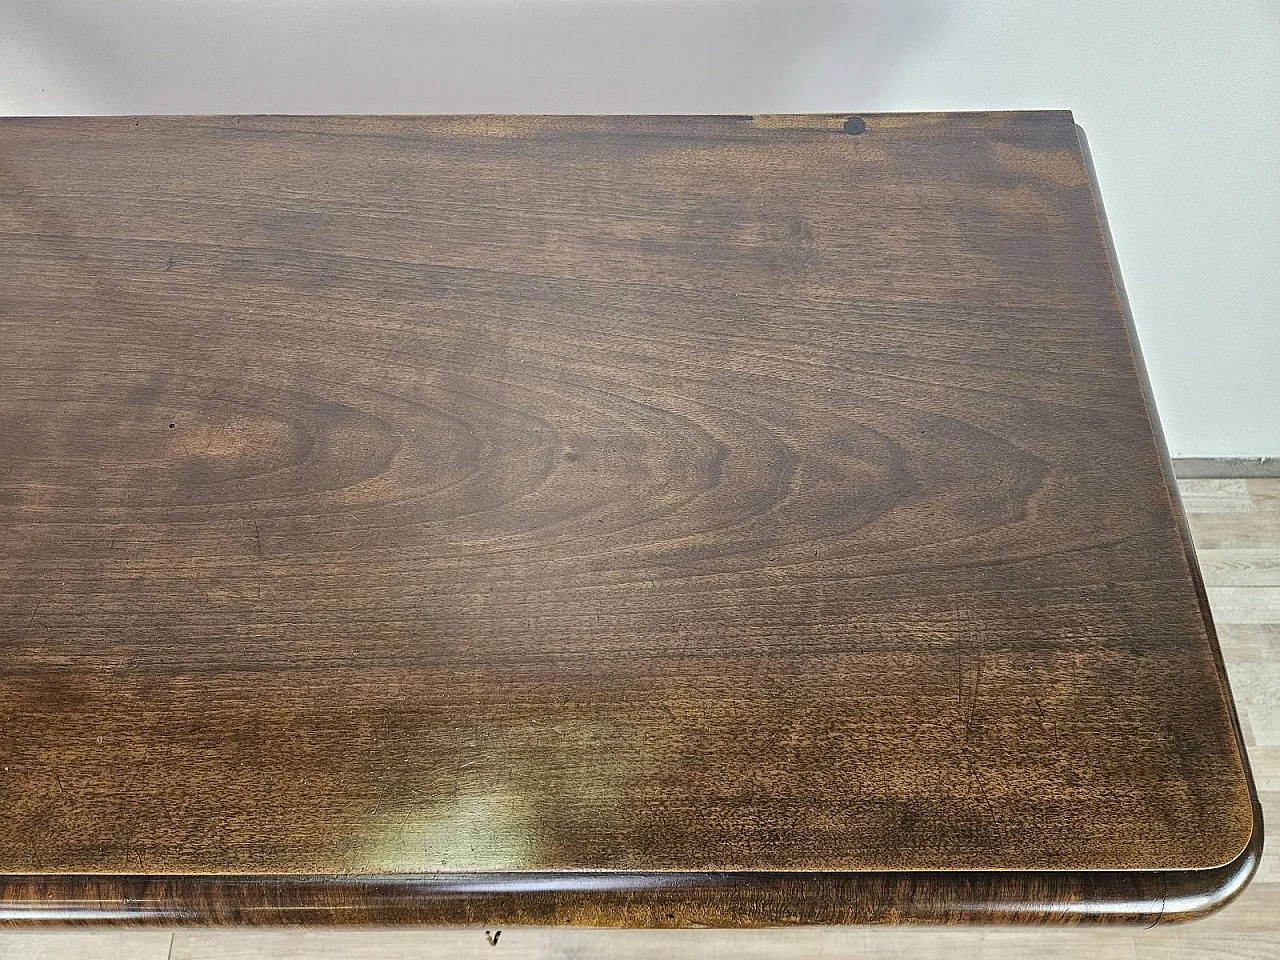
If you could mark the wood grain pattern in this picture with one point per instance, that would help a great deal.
(1223, 495)
(1237, 531)
(684, 497)
(1264, 492)
(1253, 604)
(1242, 568)
(1250, 928)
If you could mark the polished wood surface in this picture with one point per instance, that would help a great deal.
(746, 512)
(1250, 928)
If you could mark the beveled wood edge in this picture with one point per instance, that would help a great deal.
(1175, 500)
(621, 899)
(811, 121)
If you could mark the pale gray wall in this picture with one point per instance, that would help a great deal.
(1181, 102)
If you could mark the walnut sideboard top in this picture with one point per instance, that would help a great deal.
(652, 520)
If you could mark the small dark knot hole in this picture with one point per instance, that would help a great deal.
(855, 125)
(171, 426)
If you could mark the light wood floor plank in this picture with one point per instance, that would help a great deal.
(86, 945)
(1255, 530)
(1234, 946)
(1245, 604)
(1245, 643)
(1215, 496)
(1264, 492)
(526, 943)
(1257, 694)
(1266, 773)
(1269, 868)
(1240, 568)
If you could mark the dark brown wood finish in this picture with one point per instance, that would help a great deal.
(747, 899)
(601, 520)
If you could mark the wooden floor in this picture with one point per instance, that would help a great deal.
(1237, 531)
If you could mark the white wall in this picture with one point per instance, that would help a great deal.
(1181, 102)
